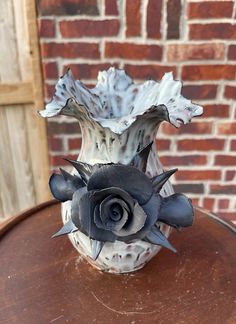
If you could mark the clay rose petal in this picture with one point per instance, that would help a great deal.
(83, 217)
(98, 196)
(106, 210)
(125, 177)
(135, 223)
(151, 209)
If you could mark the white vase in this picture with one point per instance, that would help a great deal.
(117, 119)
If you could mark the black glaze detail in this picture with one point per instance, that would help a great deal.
(119, 202)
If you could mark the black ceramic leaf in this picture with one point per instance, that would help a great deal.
(96, 248)
(64, 185)
(127, 178)
(68, 228)
(140, 159)
(159, 180)
(176, 210)
(84, 169)
(155, 236)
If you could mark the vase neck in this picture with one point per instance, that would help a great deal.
(101, 145)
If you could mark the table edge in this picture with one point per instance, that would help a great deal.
(10, 223)
(223, 221)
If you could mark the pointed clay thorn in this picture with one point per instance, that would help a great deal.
(156, 237)
(68, 228)
(140, 159)
(66, 175)
(96, 248)
(159, 180)
(84, 169)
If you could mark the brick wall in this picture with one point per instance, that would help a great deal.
(194, 39)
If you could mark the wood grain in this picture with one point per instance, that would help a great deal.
(13, 94)
(22, 162)
(23, 152)
(9, 196)
(36, 126)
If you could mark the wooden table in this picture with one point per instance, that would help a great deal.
(44, 280)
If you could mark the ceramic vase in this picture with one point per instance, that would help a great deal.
(117, 119)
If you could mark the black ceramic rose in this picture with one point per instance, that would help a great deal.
(119, 202)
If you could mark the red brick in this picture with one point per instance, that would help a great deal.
(198, 175)
(193, 128)
(232, 52)
(208, 203)
(148, 71)
(85, 27)
(46, 27)
(233, 145)
(210, 9)
(133, 51)
(186, 160)
(230, 175)
(163, 145)
(195, 201)
(216, 111)
(230, 92)
(208, 72)
(154, 10)
(111, 8)
(59, 160)
(86, 71)
(67, 7)
(50, 70)
(133, 18)
(185, 52)
(63, 128)
(225, 159)
(212, 31)
(223, 203)
(55, 144)
(74, 143)
(201, 144)
(206, 91)
(227, 128)
(222, 189)
(49, 90)
(189, 188)
(173, 19)
(70, 50)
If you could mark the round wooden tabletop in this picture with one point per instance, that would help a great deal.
(44, 280)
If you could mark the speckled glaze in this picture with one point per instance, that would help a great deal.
(119, 257)
(117, 119)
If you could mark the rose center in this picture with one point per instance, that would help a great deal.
(116, 212)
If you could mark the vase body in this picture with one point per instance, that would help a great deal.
(101, 145)
(118, 118)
